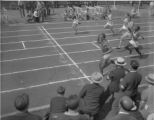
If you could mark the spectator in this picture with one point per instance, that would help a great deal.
(21, 104)
(147, 97)
(151, 8)
(131, 81)
(72, 113)
(117, 74)
(4, 15)
(58, 103)
(114, 109)
(90, 96)
(126, 105)
(21, 8)
(36, 16)
(105, 62)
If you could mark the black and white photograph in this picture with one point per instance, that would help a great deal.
(77, 59)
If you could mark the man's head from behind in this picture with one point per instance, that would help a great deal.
(22, 102)
(134, 64)
(127, 103)
(72, 102)
(61, 90)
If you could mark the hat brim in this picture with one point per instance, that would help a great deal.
(120, 64)
(148, 80)
(97, 81)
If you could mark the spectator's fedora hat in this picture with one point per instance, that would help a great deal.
(96, 77)
(150, 78)
(120, 61)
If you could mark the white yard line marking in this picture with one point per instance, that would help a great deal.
(66, 44)
(65, 65)
(98, 48)
(56, 82)
(3, 37)
(74, 63)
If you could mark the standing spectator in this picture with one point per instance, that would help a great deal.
(21, 8)
(72, 113)
(4, 15)
(126, 105)
(90, 96)
(58, 103)
(147, 97)
(21, 104)
(105, 62)
(36, 16)
(117, 74)
(131, 81)
(151, 8)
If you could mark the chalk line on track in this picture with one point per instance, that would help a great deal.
(152, 52)
(50, 28)
(64, 44)
(71, 52)
(74, 63)
(68, 31)
(56, 82)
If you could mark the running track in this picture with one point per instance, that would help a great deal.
(37, 58)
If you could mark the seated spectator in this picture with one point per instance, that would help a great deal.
(126, 105)
(21, 104)
(90, 96)
(147, 97)
(114, 109)
(117, 74)
(58, 103)
(131, 81)
(72, 113)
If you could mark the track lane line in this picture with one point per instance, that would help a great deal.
(56, 82)
(74, 63)
(65, 65)
(70, 37)
(70, 52)
(23, 41)
(47, 23)
(66, 44)
(3, 37)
